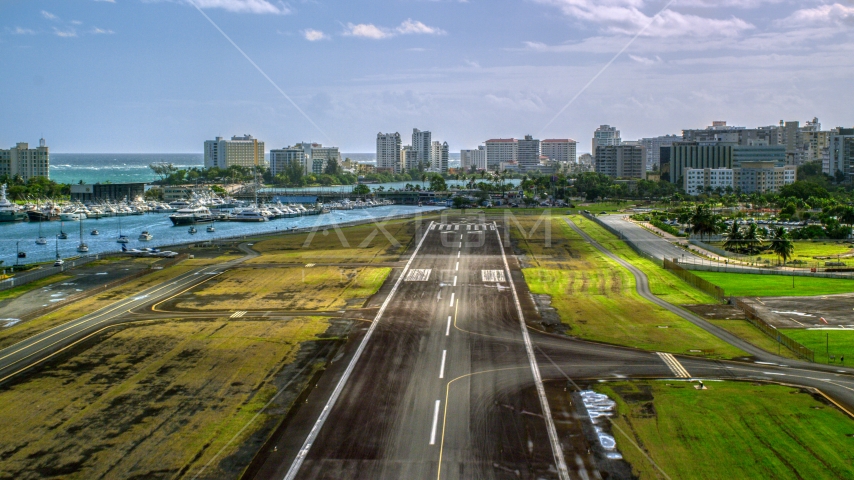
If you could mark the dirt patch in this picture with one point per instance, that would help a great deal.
(717, 312)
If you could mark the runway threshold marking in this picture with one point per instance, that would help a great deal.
(238, 314)
(674, 365)
(435, 422)
(557, 449)
(324, 414)
(442, 368)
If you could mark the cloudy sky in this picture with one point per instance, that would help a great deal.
(164, 75)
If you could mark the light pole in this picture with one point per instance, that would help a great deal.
(18, 253)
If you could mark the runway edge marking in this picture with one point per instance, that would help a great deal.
(324, 414)
(557, 451)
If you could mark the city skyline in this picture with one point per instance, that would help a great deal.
(132, 76)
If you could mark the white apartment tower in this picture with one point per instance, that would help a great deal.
(605, 136)
(26, 162)
(422, 144)
(473, 158)
(388, 152)
(559, 149)
(501, 150)
(244, 151)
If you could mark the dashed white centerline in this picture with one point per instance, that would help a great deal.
(457, 268)
(455, 280)
(435, 422)
(448, 329)
(452, 299)
(442, 369)
(458, 254)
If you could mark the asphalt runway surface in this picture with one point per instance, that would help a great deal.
(441, 386)
(806, 312)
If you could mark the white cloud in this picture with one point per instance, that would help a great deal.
(625, 17)
(65, 33)
(726, 3)
(823, 15)
(646, 60)
(366, 30)
(76, 22)
(23, 31)
(101, 31)
(244, 6)
(108, 1)
(49, 15)
(408, 27)
(314, 35)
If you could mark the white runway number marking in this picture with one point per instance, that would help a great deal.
(418, 275)
(493, 276)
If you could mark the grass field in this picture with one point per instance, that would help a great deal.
(11, 335)
(752, 285)
(835, 342)
(662, 283)
(596, 298)
(746, 331)
(360, 244)
(297, 288)
(18, 291)
(731, 430)
(149, 401)
(807, 250)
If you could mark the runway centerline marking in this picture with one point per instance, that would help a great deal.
(455, 280)
(452, 300)
(457, 268)
(448, 330)
(458, 254)
(442, 368)
(435, 422)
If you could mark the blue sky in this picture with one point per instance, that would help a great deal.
(157, 76)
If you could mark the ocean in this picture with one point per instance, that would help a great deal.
(133, 167)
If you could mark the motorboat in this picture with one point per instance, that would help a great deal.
(192, 231)
(22, 254)
(191, 215)
(248, 215)
(9, 212)
(95, 232)
(145, 236)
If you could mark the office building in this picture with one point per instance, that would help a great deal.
(244, 151)
(652, 147)
(528, 153)
(473, 159)
(763, 177)
(26, 162)
(705, 180)
(685, 155)
(559, 149)
(281, 159)
(621, 161)
(605, 136)
(107, 192)
(501, 150)
(422, 145)
(388, 152)
(840, 153)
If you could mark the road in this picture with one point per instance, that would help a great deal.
(17, 358)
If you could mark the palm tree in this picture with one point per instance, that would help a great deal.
(752, 239)
(733, 238)
(703, 222)
(782, 244)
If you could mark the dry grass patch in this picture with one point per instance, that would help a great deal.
(154, 401)
(299, 288)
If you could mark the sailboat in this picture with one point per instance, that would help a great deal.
(59, 262)
(82, 248)
(62, 235)
(211, 228)
(122, 238)
(41, 240)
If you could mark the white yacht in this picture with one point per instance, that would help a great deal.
(191, 215)
(248, 215)
(145, 236)
(9, 212)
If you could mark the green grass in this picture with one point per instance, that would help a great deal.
(807, 250)
(754, 285)
(732, 430)
(747, 332)
(662, 283)
(839, 342)
(18, 291)
(596, 298)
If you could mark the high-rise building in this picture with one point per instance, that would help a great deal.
(388, 152)
(244, 151)
(26, 162)
(840, 153)
(281, 159)
(685, 155)
(605, 136)
(621, 161)
(528, 153)
(318, 157)
(442, 157)
(501, 150)
(422, 144)
(702, 180)
(473, 159)
(435, 156)
(409, 159)
(763, 177)
(559, 149)
(653, 146)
